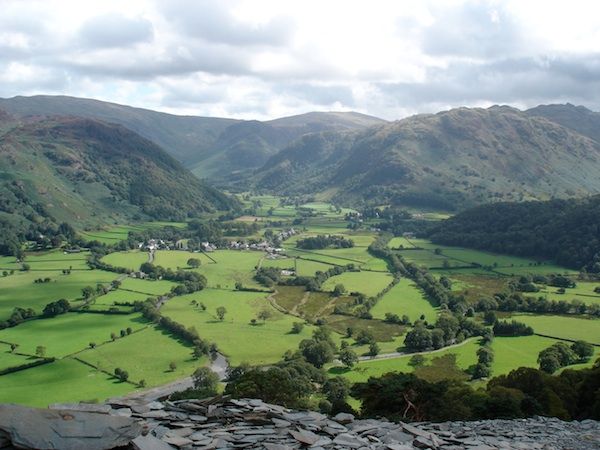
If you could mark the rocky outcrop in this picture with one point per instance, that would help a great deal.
(252, 424)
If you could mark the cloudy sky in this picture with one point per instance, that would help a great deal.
(268, 58)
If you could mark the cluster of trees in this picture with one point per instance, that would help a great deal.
(523, 392)
(324, 241)
(189, 281)
(541, 305)
(512, 328)
(561, 354)
(17, 316)
(449, 329)
(565, 231)
(485, 358)
(55, 308)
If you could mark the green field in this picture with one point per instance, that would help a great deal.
(520, 351)
(8, 359)
(120, 296)
(583, 291)
(231, 266)
(154, 350)
(47, 261)
(405, 298)
(131, 260)
(263, 343)
(369, 283)
(400, 242)
(156, 287)
(19, 290)
(66, 380)
(305, 267)
(68, 333)
(564, 327)
(465, 357)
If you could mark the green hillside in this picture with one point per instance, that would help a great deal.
(450, 160)
(88, 172)
(214, 148)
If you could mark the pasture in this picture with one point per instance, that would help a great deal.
(148, 287)
(68, 333)
(131, 260)
(20, 290)
(369, 283)
(564, 327)
(240, 340)
(405, 298)
(154, 350)
(66, 380)
(231, 266)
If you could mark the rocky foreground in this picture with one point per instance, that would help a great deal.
(251, 424)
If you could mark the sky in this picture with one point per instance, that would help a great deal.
(261, 59)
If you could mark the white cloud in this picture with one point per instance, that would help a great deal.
(265, 58)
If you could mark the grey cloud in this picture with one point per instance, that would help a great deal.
(212, 21)
(520, 80)
(173, 61)
(115, 30)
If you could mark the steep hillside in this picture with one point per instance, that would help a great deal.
(567, 231)
(210, 147)
(577, 118)
(249, 144)
(185, 137)
(451, 160)
(86, 172)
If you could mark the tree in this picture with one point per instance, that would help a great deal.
(348, 357)
(172, 366)
(88, 292)
(121, 374)
(338, 290)
(373, 349)
(481, 371)
(264, 314)
(113, 337)
(583, 350)
(221, 311)
(317, 352)
(40, 351)
(92, 345)
(115, 284)
(485, 355)
(417, 339)
(297, 327)
(206, 381)
(13, 347)
(416, 361)
(194, 263)
(336, 389)
(437, 338)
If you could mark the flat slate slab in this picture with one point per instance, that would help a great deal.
(32, 428)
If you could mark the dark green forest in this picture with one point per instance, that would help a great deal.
(566, 231)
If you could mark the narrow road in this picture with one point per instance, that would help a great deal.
(219, 365)
(398, 354)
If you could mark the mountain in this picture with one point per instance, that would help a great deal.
(566, 231)
(89, 172)
(184, 137)
(453, 159)
(211, 147)
(577, 118)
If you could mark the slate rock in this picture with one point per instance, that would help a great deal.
(65, 429)
(150, 443)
